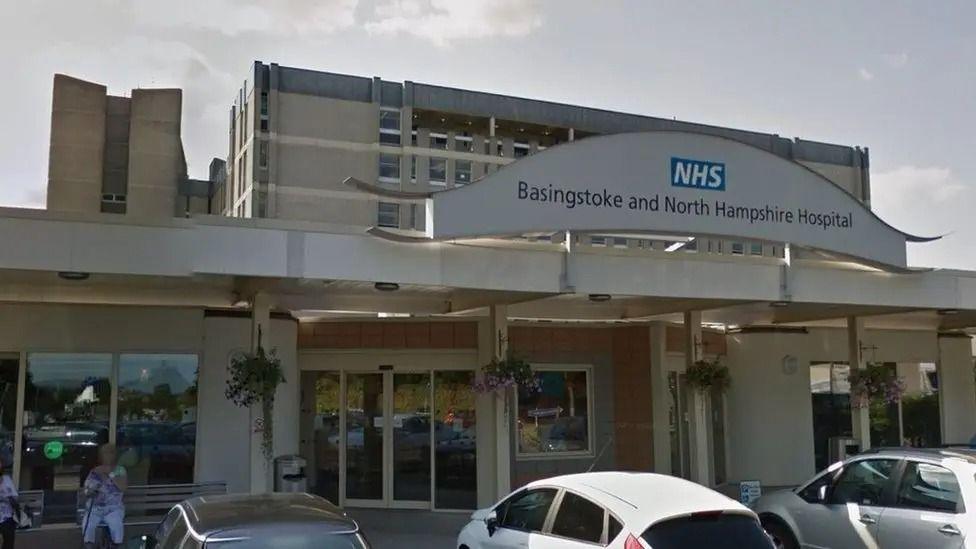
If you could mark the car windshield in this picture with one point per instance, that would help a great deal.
(309, 540)
(712, 530)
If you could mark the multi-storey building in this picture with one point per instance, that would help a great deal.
(297, 134)
(120, 155)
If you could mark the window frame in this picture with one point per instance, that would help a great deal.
(430, 169)
(901, 476)
(379, 206)
(590, 452)
(379, 163)
(459, 182)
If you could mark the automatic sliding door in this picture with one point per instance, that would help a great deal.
(411, 438)
(365, 426)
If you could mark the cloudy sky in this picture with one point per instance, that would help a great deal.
(897, 77)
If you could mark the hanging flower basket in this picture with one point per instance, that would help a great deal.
(499, 375)
(253, 379)
(875, 383)
(706, 374)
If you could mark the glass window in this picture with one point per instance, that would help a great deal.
(738, 248)
(598, 241)
(921, 417)
(66, 417)
(390, 139)
(413, 168)
(438, 170)
(930, 487)
(463, 144)
(438, 141)
(527, 510)
(462, 172)
(455, 437)
(613, 529)
(157, 418)
(388, 215)
(811, 493)
(264, 103)
(755, 248)
(390, 119)
(555, 419)
(830, 398)
(619, 242)
(863, 482)
(521, 149)
(389, 166)
(263, 154)
(578, 518)
(712, 530)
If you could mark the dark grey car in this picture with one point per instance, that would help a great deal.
(244, 521)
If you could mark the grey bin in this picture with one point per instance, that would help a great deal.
(290, 474)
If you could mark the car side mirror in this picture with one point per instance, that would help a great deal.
(491, 522)
(822, 494)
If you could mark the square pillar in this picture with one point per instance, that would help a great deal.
(660, 399)
(261, 472)
(697, 405)
(494, 432)
(860, 417)
(957, 388)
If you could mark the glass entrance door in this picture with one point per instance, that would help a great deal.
(365, 427)
(391, 438)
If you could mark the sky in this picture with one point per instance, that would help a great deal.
(897, 77)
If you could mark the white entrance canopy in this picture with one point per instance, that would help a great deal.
(211, 261)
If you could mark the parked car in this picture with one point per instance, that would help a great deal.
(616, 510)
(245, 521)
(886, 498)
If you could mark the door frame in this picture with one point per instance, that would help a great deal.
(386, 363)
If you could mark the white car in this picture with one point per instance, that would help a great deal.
(616, 510)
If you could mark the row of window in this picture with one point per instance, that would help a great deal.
(436, 172)
(390, 134)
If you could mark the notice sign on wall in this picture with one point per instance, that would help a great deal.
(669, 183)
(749, 491)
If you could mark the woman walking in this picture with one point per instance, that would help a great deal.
(8, 504)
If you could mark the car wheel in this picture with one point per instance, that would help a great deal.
(781, 534)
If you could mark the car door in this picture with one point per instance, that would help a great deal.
(926, 510)
(521, 520)
(849, 518)
(578, 523)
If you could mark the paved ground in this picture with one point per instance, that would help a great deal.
(386, 529)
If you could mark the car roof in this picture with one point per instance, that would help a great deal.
(966, 454)
(208, 515)
(643, 499)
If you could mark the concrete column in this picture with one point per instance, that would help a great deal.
(860, 417)
(957, 388)
(660, 398)
(697, 405)
(498, 322)
(261, 472)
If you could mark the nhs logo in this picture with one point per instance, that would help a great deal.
(697, 174)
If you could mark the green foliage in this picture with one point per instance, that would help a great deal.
(254, 378)
(706, 374)
(875, 382)
(499, 375)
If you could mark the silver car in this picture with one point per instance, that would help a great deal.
(244, 521)
(882, 499)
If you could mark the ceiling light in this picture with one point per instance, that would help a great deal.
(779, 304)
(521, 130)
(443, 120)
(387, 286)
(599, 298)
(73, 275)
(947, 312)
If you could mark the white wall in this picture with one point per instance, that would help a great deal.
(223, 429)
(957, 389)
(770, 419)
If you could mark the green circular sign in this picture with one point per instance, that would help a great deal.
(53, 449)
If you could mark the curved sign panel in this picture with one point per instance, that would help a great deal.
(668, 183)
